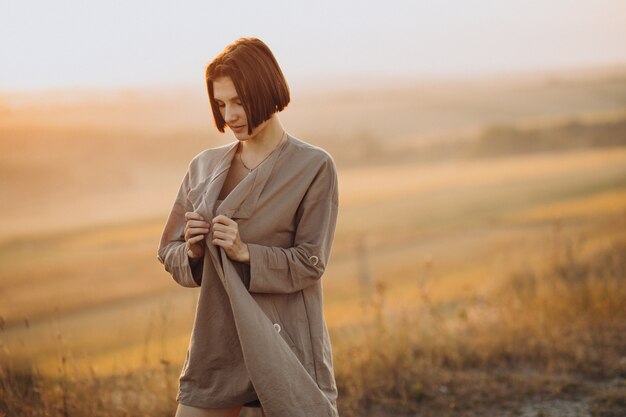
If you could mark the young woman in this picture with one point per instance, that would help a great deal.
(252, 226)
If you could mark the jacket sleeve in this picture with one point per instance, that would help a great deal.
(287, 270)
(172, 251)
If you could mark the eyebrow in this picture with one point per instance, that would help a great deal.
(231, 99)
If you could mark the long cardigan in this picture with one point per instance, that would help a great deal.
(259, 329)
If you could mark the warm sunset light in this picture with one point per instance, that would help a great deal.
(444, 189)
(137, 43)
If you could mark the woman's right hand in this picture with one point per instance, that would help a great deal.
(195, 231)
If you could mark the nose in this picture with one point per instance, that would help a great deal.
(230, 115)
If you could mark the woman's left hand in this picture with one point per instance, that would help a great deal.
(226, 234)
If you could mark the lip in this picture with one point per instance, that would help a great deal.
(237, 128)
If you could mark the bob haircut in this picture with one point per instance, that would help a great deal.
(258, 80)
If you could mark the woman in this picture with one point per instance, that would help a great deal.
(252, 226)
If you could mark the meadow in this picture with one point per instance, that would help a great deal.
(479, 284)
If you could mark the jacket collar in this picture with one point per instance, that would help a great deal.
(242, 200)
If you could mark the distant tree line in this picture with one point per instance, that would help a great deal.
(496, 140)
(574, 134)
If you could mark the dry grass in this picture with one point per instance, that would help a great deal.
(451, 290)
(546, 330)
(492, 312)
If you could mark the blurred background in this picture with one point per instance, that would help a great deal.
(480, 255)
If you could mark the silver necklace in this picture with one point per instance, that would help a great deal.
(268, 155)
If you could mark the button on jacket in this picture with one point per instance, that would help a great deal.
(259, 329)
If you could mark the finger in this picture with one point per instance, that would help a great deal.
(196, 239)
(225, 227)
(219, 227)
(218, 234)
(196, 230)
(220, 242)
(226, 232)
(193, 215)
(198, 223)
(221, 219)
(190, 235)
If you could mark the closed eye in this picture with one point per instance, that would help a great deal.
(222, 105)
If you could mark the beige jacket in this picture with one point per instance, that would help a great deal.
(259, 329)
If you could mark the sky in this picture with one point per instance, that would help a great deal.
(108, 44)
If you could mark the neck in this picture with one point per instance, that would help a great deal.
(266, 139)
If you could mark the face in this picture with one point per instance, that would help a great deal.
(232, 110)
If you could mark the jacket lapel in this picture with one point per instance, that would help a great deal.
(204, 195)
(242, 200)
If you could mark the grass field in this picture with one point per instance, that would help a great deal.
(441, 237)
(490, 286)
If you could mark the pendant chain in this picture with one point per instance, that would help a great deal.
(268, 155)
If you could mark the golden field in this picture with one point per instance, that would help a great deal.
(467, 285)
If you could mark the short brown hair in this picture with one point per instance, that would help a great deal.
(258, 80)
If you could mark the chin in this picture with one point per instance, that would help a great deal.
(244, 135)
